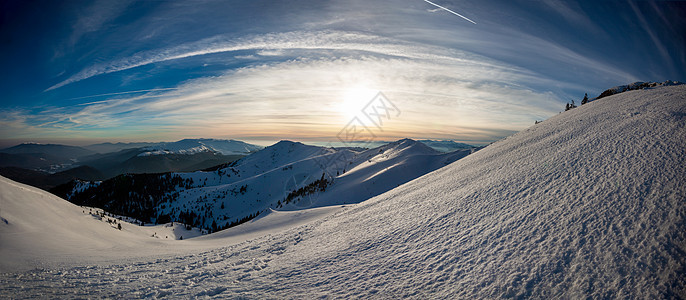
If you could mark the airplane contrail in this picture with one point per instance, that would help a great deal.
(450, 11)
(127, 92)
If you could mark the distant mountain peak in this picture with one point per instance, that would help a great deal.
(406, 141)
(446, 145)
(193, 146)
(407, 144)
(288, 142)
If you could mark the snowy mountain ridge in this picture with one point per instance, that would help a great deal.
(287, 175)
(193, 146)
(446, 145)
(639, 85)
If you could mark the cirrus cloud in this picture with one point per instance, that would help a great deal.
(442, 92)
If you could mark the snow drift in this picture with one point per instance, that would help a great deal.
(589, 203)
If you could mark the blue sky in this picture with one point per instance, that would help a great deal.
(80, 72)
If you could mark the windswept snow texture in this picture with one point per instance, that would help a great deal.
(589, 203)
(192, 146)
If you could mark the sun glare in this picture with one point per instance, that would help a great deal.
(354, 99)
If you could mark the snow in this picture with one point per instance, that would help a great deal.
(446, 146)
(38, 230)
(263, 180)
(639, 85)
(81, 185)
(587, 204)
(193, 146)
(38, 224)
(172, 230)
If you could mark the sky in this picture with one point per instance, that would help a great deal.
(80, 72)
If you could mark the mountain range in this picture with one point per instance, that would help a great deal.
(286, 175)
(590, 203)
(194, 146)
(446, 145)
(48, 165)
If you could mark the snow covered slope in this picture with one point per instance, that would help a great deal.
(35, 224)
(285, 176)
(588, 204)
(375, 171)
(192, 146)
(40, 230)
(272, 178)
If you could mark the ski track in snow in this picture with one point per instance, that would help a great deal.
(589, 203)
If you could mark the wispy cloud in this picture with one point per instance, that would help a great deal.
(279, 43)
(304, 98)
(653, 36)
(573, 14)
(122, 93)
(94, 17)
(267, 43)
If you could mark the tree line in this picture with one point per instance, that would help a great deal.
(572, 105)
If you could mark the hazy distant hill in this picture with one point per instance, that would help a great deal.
(116, 147)
(49, 158)
(29, 162)
(60, 151)
(33, 161)
(131, 161)
(446, 146)
(181, 156)
(193, 146)
(46, 181)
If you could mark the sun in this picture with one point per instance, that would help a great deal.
(354, 99)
